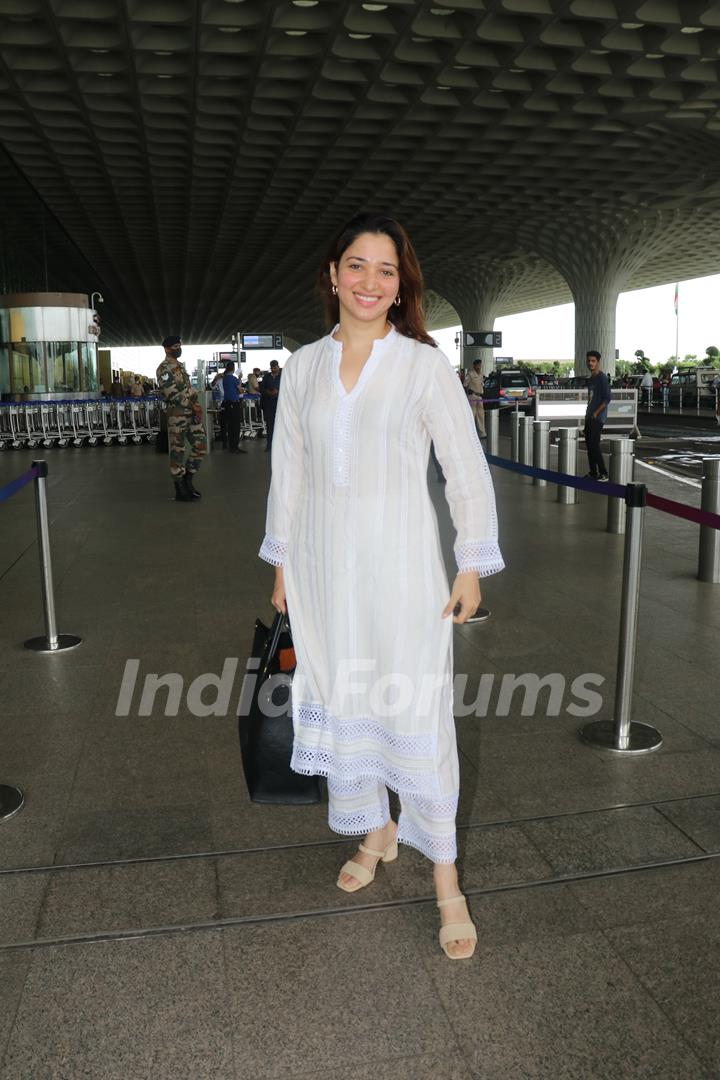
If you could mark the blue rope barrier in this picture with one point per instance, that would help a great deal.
(583, 483)
(17, 483)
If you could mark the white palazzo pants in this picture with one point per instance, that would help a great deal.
(361, 806)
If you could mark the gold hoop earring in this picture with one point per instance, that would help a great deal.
(333, 290)
(397, 301)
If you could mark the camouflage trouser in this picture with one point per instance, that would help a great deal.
(183, 427)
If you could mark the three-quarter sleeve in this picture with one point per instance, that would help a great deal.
(287, 470)
(469, 488)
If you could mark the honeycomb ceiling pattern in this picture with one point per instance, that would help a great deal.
(199, 153)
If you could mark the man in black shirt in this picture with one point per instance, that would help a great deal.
(269, 389)
(599, 397)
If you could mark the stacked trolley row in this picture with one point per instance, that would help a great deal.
(72, 422)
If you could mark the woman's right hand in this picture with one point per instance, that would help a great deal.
(278, 596)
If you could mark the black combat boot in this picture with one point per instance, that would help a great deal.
(192, 493)
(181, 492)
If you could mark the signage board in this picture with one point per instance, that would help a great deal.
(262, 341)
(483, 339)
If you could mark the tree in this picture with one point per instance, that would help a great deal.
(643, 361)
(712, 356)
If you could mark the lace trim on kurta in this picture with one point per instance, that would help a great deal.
(313, 760)
(342, 432)
(343, 420)
(273, 551)
(481, 556)
(365, 729)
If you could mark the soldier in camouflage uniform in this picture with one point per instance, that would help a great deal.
(184, 420)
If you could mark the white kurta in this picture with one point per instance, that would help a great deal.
(351, 521)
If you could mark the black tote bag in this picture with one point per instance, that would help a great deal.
(266, 740)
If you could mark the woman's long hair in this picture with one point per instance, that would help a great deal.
(408, 317)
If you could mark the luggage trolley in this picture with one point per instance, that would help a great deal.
(17, 437)
(132, 409)
(125, 428)
(106, 415)
(145, 408)
(48, 423)
(64, 422)
(253, 420)
(93, 418)
(30, 415)
(4, 425)
(80, 422)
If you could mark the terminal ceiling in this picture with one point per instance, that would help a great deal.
(199, 155)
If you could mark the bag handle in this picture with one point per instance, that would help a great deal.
(280, 623)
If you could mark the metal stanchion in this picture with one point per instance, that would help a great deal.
(567, 463)
(621, 734)
(492, 427)
(515, 435)
(11, 800)
(525, 446)
(709, 554)
(51, 641)
(621, 472)
(541, 449)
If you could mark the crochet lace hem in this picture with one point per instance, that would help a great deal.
(479, 556)
(364, 729)
(273, 551)
(320, 761)
(438, 849)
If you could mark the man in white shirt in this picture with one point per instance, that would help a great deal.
(646, 386)
(474, 385)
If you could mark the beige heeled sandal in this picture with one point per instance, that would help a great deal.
(362, 875)
(457, 931)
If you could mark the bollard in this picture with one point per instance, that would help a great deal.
(525, 444)
(567, 463)
(11, 800)
(541, 449)
(51, 641)
(492, 427)
(621, 734)
(709, 553)
(621, 472)
(515, 435)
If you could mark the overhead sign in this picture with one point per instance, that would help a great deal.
(483, 339)
(262, 341)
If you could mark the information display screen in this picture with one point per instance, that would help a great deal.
(262, 341)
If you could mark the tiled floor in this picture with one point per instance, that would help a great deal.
(156, 924)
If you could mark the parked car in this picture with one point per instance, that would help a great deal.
(510, 385)
(691, 384)
(575, 382)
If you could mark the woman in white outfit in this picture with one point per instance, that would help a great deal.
(354, 538)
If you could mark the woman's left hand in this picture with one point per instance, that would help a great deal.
(465, 597)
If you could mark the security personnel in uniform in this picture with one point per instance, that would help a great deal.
(184, 420)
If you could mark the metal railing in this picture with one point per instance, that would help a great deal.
(626, 509)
